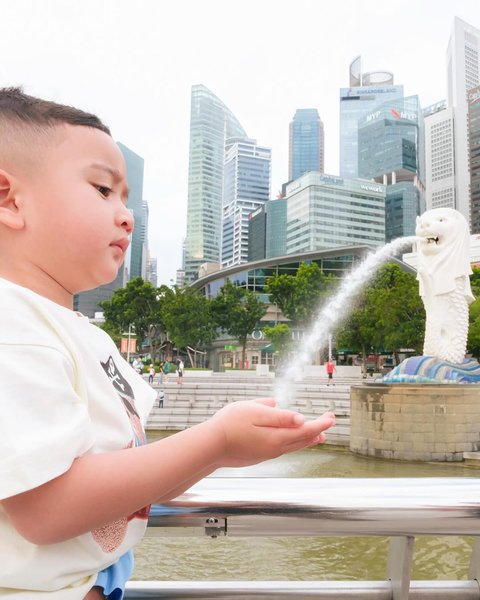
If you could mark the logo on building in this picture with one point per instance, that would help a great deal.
(372, 116)
(474, 95)
(372, 188)
(403, 114)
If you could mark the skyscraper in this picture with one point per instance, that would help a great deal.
(246, 186)
(366, 92)
(211, 123)
(134, 264)
(306, 143)
(136, 204)
(391, 151)
(325, 211)
(267, 230)
(474, 155)
(463, 74)
(439, 156)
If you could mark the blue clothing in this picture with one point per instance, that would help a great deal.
(114, 578)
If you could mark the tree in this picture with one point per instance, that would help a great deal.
(280, 337)
(398, 309)
(137, 304)
(388, 315)
(237, 311)
(473, 343)
(188, 319)
(299, 296)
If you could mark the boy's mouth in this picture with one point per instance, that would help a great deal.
(122, 243)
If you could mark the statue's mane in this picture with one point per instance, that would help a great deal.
(443, 269)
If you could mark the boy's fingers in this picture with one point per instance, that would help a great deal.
(266, 401)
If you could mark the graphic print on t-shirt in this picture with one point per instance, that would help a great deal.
(110, 537)
(125, 392)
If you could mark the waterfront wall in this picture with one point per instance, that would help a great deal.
(415, 422)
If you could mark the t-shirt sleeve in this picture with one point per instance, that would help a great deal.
(44, 423)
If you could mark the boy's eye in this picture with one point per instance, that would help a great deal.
(104, 190)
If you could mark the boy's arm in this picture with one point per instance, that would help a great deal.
(101, 488)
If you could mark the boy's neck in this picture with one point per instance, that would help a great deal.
(41, 284)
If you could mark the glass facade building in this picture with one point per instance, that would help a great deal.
(366, 92)
(391, 151)
(306, 143)
(325, 211)
(474, 156)
(267, 230)
(463, 74)
(136, 258)
(246, 186)
(138, 244)
(211, 123)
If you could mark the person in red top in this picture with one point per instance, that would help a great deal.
(330, 366)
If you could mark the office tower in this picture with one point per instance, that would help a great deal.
(135, 165)
(152, 270)
(324, 211)
(306, 143)
(267, 230)
(474, 155)
(134, 264)
(246, 186)
(211, 123)
(180, 278)
(391, 151)
(366, 92)
(463, 74)
(439, 156)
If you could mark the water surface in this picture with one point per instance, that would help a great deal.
(343, 558)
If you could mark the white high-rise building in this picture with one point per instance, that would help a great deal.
(211, 123)
(463, 73)
(439, 156)
(246, 186)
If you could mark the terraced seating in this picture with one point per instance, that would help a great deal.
(198, 399)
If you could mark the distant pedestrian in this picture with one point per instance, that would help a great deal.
(161, 398)
(330, 366)
(180, 369)
(163, 371)
(151, 374)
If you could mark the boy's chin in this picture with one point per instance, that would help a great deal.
(104, 279)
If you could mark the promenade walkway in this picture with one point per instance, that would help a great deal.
(197, 399)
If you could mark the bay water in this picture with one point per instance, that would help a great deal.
(323, 558)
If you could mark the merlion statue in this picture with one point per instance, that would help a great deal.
(443, 273)
(443, 270)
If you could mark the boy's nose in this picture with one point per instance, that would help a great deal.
(126, 220)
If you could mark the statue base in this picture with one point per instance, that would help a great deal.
(424, 422)
(430, 369)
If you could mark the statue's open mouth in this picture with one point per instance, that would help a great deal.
(433, 240)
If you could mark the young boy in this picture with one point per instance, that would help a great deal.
(76, 478)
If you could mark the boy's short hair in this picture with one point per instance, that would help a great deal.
(25, 121)
(18, 107)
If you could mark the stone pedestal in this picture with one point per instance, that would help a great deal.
(425, 422)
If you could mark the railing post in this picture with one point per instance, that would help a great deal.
(399, 565)
(474, 569)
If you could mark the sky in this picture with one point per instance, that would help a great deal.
(133, 63)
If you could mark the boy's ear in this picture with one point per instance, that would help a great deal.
(10, 215)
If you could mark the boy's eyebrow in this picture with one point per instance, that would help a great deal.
(115, 173)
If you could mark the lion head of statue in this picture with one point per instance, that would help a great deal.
(443, 247)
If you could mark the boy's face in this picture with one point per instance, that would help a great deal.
(77, 224)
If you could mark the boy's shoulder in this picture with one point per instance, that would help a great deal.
(27, 317)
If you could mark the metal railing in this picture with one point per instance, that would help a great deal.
(398, 508)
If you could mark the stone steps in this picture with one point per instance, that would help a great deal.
(197, 400)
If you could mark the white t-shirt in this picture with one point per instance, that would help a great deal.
(65, 392)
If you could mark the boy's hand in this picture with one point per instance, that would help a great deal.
(254, 431)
